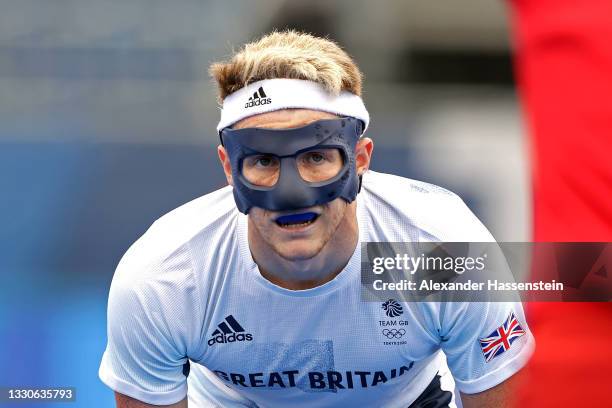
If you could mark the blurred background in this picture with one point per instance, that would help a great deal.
(107, 119)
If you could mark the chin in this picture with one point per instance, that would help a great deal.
(298, 251)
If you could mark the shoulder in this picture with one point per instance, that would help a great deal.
(434, 212)
(155, 302)
(156, 283)
(164, 250)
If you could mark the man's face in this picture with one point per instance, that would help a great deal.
(304, 240)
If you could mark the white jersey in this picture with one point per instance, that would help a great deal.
(189, 291)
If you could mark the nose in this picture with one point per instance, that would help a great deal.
(291, 192)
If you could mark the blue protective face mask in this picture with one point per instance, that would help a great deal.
(290, 191)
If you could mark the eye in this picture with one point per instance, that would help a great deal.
(261, 161)
(264, 161)
(315, 157)
(319, 165)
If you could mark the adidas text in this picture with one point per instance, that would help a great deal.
(257, 102)
(230, 338)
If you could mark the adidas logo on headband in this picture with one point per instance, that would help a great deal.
(259, 98)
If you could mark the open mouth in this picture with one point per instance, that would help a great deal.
(296, 220)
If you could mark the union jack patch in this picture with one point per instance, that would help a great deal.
(500, 340)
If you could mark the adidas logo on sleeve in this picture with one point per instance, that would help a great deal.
(259, 98)
(229, 331)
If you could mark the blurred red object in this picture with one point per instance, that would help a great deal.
(563, 65)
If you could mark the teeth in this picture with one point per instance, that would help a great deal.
(302, 224)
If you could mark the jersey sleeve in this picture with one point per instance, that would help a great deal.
(485, 342)
(149, 315)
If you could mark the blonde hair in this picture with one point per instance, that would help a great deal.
(289, 54)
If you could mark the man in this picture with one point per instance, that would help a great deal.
(258, 284)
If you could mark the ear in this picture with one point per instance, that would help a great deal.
(363, 154)
(225, 163)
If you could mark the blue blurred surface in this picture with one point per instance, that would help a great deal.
(69, 211)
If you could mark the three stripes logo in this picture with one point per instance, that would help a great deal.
(229, 331)
(259, 98)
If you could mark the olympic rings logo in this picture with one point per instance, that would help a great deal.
(393, 333)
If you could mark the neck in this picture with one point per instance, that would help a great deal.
(308, 273)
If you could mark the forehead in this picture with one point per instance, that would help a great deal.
(283, 119)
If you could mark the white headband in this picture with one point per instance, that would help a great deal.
(281, 93)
